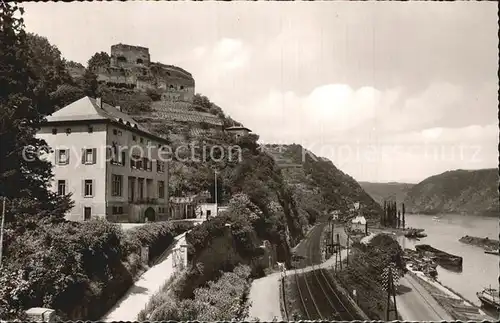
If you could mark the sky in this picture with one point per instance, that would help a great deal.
(389, 91)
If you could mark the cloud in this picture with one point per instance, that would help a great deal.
(324, 112)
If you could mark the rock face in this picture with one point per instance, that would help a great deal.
(460, 191)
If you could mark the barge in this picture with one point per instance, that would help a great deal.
(489, 297)
(444, 259)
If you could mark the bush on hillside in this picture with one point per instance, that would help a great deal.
(222, 300)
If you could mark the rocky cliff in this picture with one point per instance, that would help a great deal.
(458, 191)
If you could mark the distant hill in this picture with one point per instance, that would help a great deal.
(385, 191)
(458, 191)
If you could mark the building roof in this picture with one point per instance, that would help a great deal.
(235, 128)
(87, 109)
(359, 220)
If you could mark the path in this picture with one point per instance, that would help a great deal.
(137, 297)
(265, 298)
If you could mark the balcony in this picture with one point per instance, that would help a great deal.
(146, 200)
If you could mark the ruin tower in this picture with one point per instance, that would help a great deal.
(131, 67)
(127, 56)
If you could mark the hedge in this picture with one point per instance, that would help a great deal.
(78, 269)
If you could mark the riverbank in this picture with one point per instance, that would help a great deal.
(455, 305)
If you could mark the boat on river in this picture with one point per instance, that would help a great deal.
(489, 297)
(444, 259)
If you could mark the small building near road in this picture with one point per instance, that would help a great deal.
(185, 207)
(206, 211)
(238, 131)
(358, 223)
(335, 215)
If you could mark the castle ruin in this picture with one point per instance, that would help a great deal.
(131, 67)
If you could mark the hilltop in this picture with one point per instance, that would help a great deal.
(386, 191)
(458, 191)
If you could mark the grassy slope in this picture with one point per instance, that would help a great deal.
(459, 191)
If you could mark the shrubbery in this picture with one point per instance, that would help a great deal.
(222, 300)
(79, 269)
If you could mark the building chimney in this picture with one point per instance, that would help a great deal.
(118, 108)
(99, 102)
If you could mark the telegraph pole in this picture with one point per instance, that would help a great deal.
(347, 257)
(1, 231)
(216, 207)
(388, 276)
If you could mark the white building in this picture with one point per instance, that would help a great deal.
(358, 223)
(108, 162)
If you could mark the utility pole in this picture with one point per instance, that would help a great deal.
(1, 231)
(347, 257)
(331, 235)
(388, 279)
(216, 207)
(338, 250)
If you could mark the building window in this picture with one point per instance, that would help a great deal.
(121, 59)
(139, 61)
(116, 186)
(54, 131)
(131, 189)
(161, 189)
(87, 213)
(182, 87)
(142, 140)
(160, 166)
(89, 156)
(140, 183)
(134, 138)
(88, 188)
(117, 210)
(119, 133)
(68, 130)
(62, 156)
(61, 187)
(115, 132)
(90, 129)
(123, 158)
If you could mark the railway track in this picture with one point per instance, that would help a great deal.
(318, 298)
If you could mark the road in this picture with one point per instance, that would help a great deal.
(416, 304)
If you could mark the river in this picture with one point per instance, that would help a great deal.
(479, 269)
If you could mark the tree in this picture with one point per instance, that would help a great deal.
(90, 85)
(98, 61)
(49, 68)
(24, 176)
